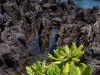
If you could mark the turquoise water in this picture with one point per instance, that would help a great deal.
(87, 3)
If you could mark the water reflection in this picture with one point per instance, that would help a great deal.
(39, 54)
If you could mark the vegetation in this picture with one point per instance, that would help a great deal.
(66, 61)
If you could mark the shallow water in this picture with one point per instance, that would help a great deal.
(87, 3)
(52, 40)
(39, 54)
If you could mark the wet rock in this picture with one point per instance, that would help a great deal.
(44, 33)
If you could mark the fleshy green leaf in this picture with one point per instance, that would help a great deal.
(80, 55)
(79, 71)
(73, 69)
(55, 53)
(51, 57)
(88, 70)
(75, 59)
(75, 53)
(29, 70)
(57, 62)
(80, 47)
(53, 70)
(73, 47)
(82, 67)
(65, 62)
(66, 68)
(66, 49)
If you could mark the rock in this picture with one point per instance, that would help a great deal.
(1, 18)
(86, 16)
(54, 7)
(38, 8)
(21, 20)
(95, 9)
(71, 2)
(13, 43)
(49, 1)
(89, 19)
(2, 1)
(96, 27)
(46, 5)
(86, 34)
(4, 48)
(56, 20)
(44, 33)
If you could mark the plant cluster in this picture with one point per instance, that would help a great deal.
(66, 61)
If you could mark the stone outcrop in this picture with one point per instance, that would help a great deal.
(21, 19)
(15, 29)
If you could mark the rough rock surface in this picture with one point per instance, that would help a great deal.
(15, 29)
(21, 19)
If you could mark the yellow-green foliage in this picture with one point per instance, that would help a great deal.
(65, 62)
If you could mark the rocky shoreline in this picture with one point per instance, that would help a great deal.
(21, 19)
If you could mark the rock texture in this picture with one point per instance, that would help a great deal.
(15, 28)
(21, 19)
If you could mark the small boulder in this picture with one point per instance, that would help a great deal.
(46, 5)
(95, 9)
(57, 19)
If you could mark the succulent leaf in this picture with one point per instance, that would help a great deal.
(73, 69)
(65, 62)
(29, 70)
(73, 47)
(88, 70)
(82, 67)
(80, 47)
(66, 68)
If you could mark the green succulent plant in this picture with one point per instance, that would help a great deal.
(65, 62)
(67, 54)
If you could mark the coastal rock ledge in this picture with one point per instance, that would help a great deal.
(20, 20)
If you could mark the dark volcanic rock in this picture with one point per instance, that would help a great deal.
(21, 19)
(44, 32)
(49, 1)
(71, 2)
(86, 16)
(56, 20)
(13, 37)
(46, 5)
(86, 34)
(95, 9)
